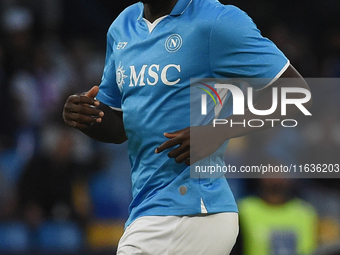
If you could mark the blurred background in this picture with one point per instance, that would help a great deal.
(63, 193)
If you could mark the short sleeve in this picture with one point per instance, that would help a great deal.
(109, 92)
(238, 50)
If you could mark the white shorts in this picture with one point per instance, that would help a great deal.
(180, 235)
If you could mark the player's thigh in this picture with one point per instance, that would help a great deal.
(186, 235)
(201, 235)
(148, 235)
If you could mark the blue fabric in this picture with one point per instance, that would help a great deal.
(147, 75)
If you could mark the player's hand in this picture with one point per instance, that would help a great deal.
(191, 144)
(79, 110)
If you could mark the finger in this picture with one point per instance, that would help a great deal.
(87, 110)
(179, 150)
(82, 99)
(183, 157)
(84, 109)
(187, 162)
(76, 124)
(171, 135)
(92, 93)
(79, 118)
(176, 133)
(168, 144)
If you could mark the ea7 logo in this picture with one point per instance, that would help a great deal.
(121, 45)
(239, 100)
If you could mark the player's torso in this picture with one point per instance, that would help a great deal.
(159, 63)
(153, 69)
(153, 72)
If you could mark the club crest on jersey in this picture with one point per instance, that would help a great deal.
(120, 76)
(173, 43)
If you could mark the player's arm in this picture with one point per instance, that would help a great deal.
(93, 118)
(208, 138)
(290, 78)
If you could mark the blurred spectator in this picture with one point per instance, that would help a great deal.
(47, 183)
(18, 23)
(276, 222)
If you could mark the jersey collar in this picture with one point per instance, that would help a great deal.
(179, 8)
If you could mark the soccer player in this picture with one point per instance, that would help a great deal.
(154, 47)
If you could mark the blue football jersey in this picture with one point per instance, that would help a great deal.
(147, 75)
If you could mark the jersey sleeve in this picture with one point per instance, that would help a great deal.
(109, 92)
(238, 50)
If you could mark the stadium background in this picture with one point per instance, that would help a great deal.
(62, 192)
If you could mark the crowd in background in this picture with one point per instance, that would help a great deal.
(54, 178)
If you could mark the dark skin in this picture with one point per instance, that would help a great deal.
(84, 112)
(214, 137)
(105, 124)
(154, 9)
